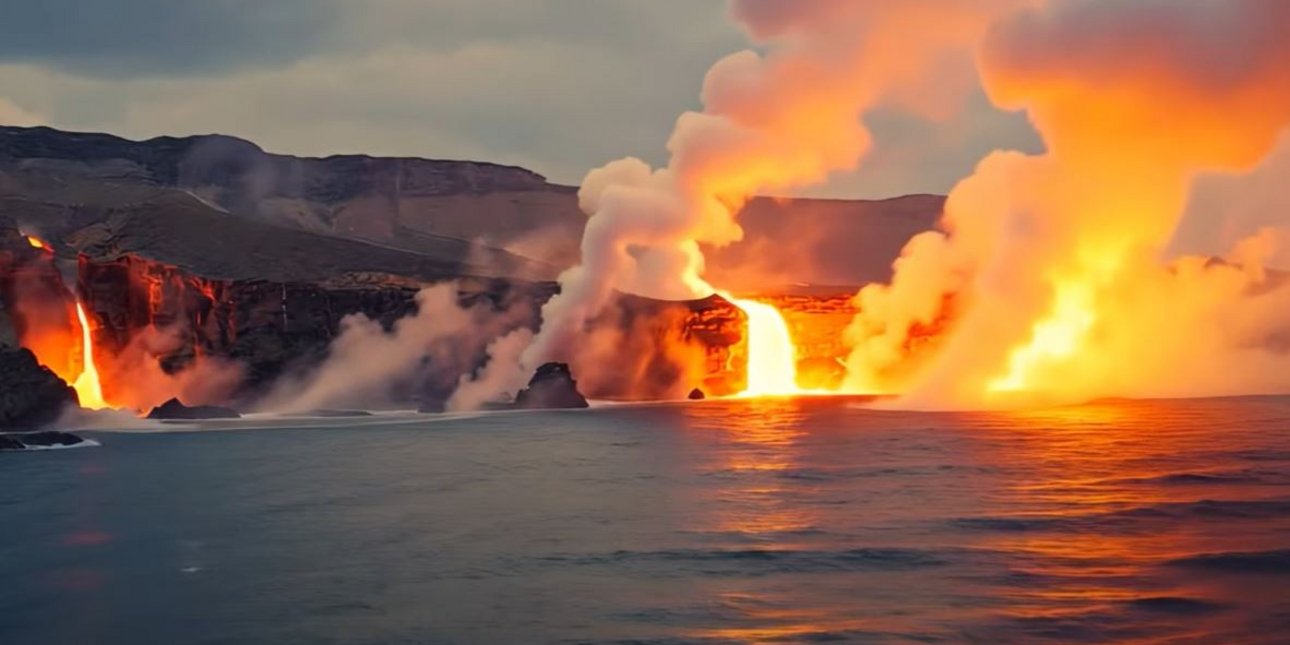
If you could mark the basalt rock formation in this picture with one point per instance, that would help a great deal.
(31, 395)
(552, 387)
(38, 440)
(174, 409)
(256, 258)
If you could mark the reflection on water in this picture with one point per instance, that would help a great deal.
(1071, 524)
(776, 520)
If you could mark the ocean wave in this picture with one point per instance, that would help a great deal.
(1129, 518)
(764, 561)
(1244, 476)
(1275, 561)
(1174, 605)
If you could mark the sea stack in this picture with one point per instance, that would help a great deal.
(552, 387)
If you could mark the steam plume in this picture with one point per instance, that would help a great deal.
(771, 121)
(1047, 281)
(367, 363)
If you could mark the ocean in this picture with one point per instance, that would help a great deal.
(777, 521)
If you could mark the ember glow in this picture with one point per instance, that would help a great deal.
(1056, 338)
(38, 243)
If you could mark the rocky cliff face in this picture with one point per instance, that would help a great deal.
(453, 210)
(31, 395)
(207, 248)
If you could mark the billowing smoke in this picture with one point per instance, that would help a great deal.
(1047, 280)
(424, 353)
(1226, 208)
(134, 378)
(775, 119)
(475, 389)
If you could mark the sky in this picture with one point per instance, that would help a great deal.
(560, 86)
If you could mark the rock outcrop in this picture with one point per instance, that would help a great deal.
(552, 387)
(174, 409)
(31, 395)
(255, 258)
(39, 441)
(431, 207)
(696, 395)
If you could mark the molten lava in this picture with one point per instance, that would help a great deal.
(772, 357)
(38, 243)
(52, 340)
(87, 384)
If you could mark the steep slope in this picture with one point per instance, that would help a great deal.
(432, 206)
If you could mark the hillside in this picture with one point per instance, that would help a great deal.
(213, 194)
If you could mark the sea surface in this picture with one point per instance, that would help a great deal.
(778, 521)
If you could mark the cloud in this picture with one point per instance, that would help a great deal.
(559, 87)
(128, 38)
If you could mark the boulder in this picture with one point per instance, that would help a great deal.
(38, 440)
(696, 395)
(173, 409)
(552, 387)
(31, 395)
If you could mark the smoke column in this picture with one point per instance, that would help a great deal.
(772, 121)
(1047, 280)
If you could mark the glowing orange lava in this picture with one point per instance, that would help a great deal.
(87, 384)
(772, 357)
(38, 243)
(772, 354)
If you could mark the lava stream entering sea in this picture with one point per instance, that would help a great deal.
(52, 354)
(772, 354)
(87, 386)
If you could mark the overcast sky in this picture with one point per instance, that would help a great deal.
(558, 86)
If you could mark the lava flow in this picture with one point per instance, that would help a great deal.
(52, 338)
(39, 243)
(772, 367)
(772, 357)
(87, 384)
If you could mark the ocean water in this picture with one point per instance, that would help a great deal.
(780, 521)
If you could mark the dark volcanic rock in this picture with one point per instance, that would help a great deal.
(338, 414)
(38, 440)
(255, 259)
(551, 387)
(173, 409)
(30, 394)
(696, 395)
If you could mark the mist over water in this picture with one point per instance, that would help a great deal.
(724, 521)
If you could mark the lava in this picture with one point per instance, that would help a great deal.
(55, 343)
(39, 243)
(772, 357)
(772, 367)
(87, 384)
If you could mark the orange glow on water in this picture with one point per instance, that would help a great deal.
(87, 384)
